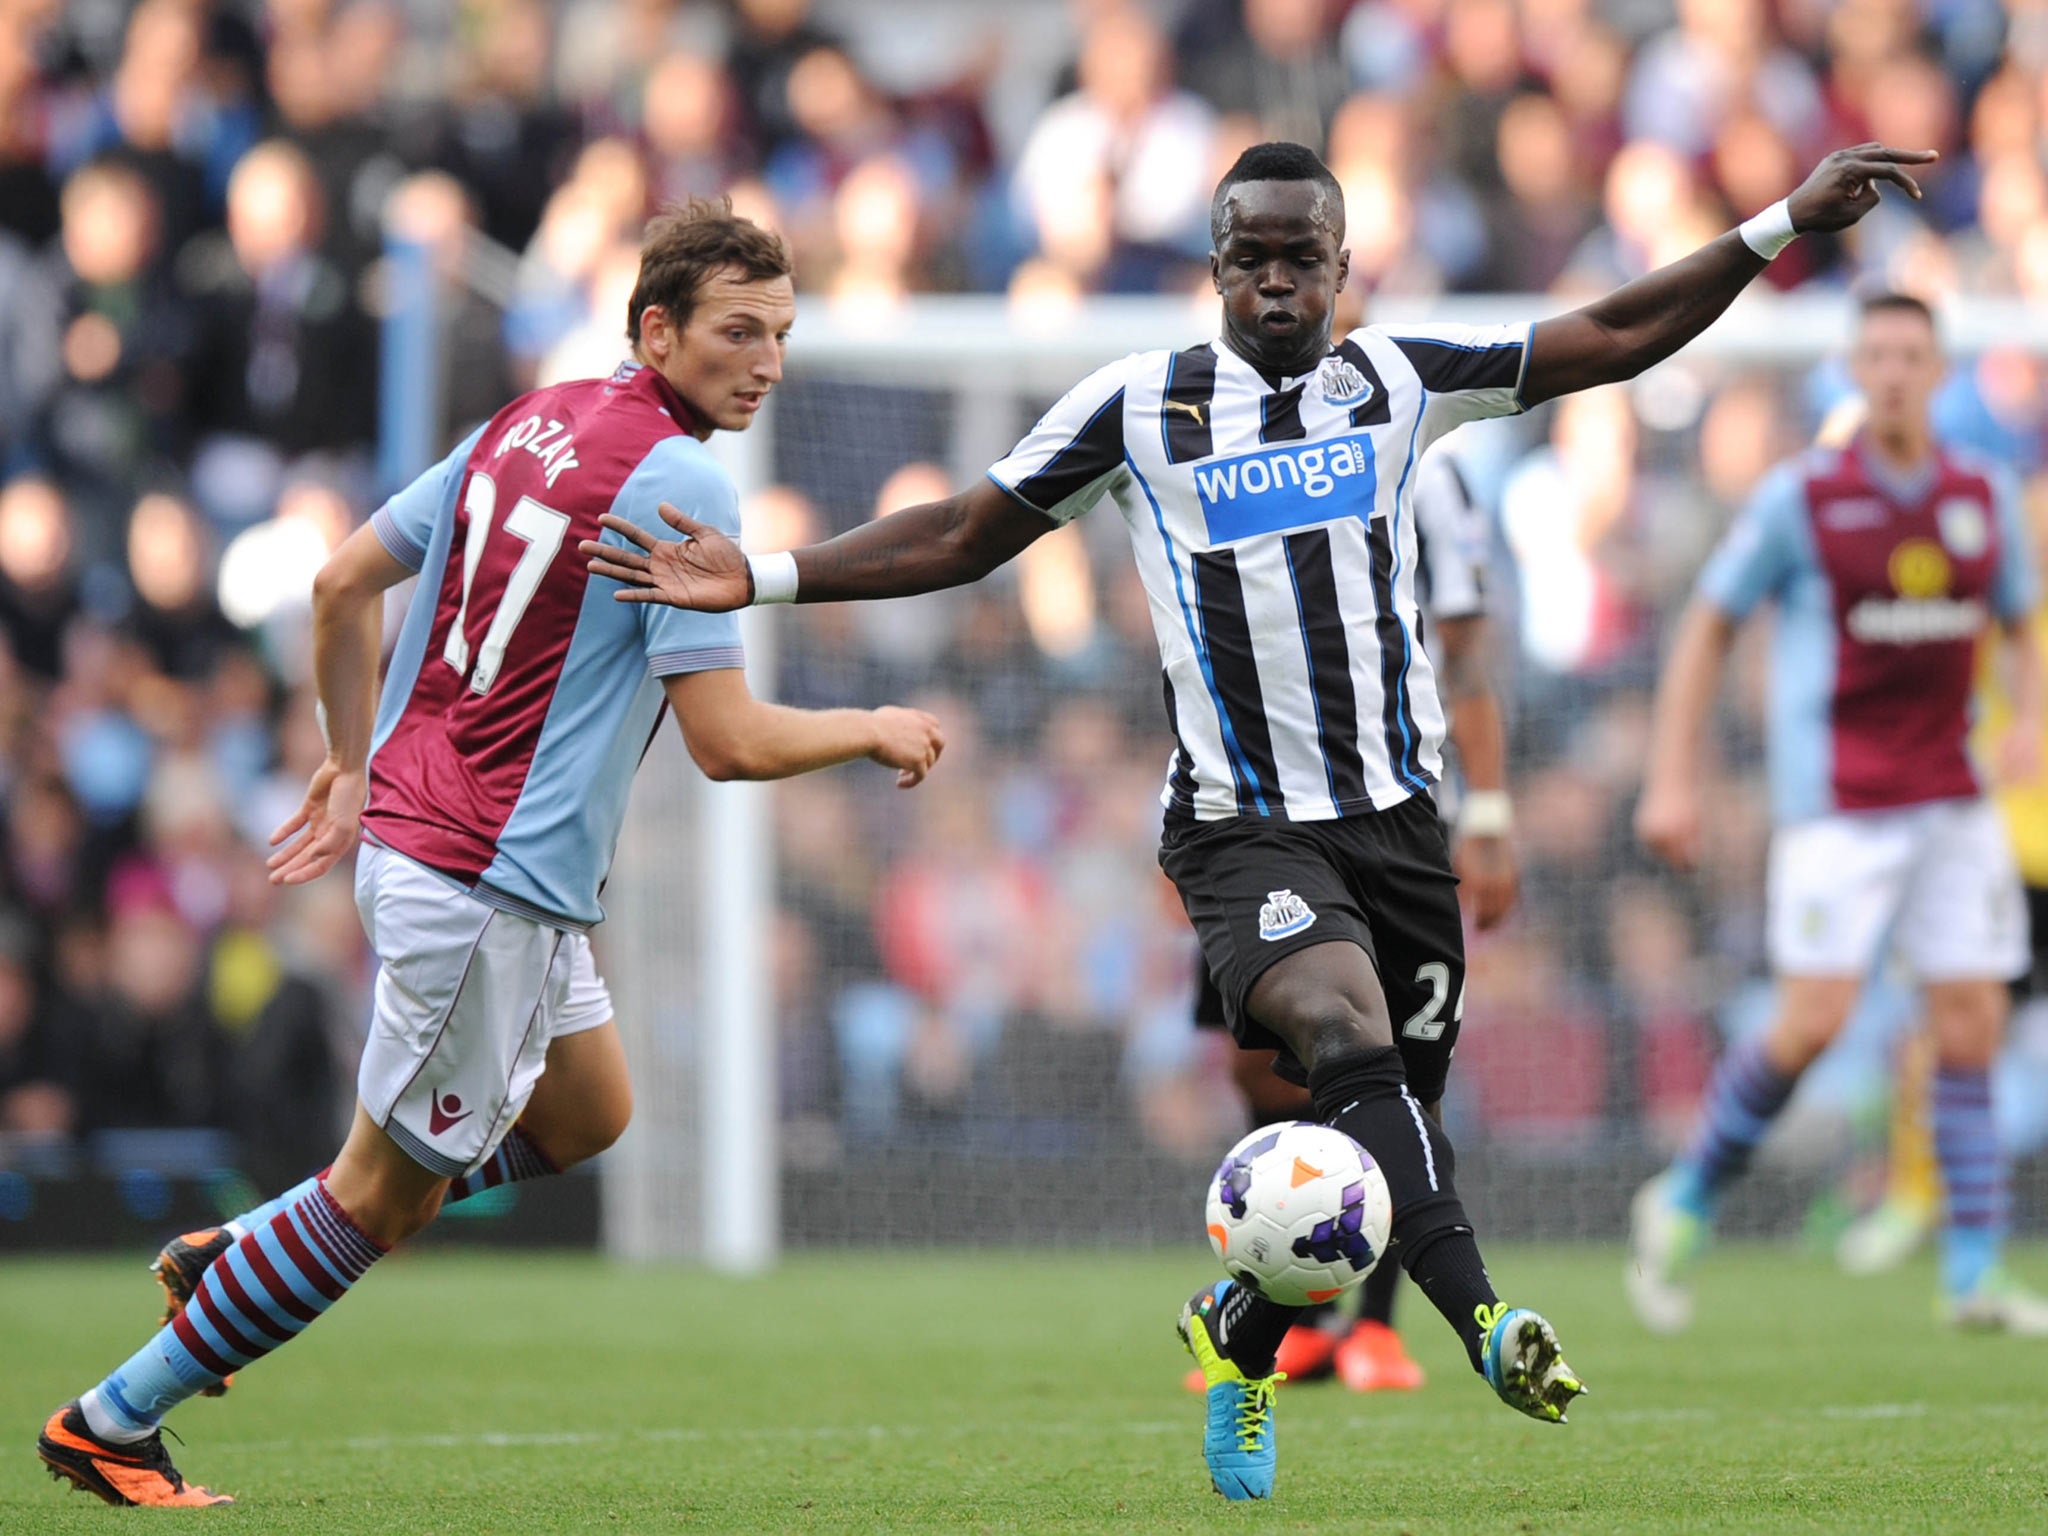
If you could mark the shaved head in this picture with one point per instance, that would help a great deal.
(1278, 161)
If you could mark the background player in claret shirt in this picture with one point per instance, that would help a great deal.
(519, 702)
(1353, 1338)
(1266, 481)
(1887, 558)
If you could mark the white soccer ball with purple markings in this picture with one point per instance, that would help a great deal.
(1299, 1212)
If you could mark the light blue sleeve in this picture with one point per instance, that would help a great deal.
(2015, 587)
(1764, 549)
(680, 472)
(405, 523)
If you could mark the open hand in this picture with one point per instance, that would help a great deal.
(910, 741)
(703, 570)
(329, 817)
(1844, 186)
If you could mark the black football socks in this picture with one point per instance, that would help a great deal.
(1365, 1095)
(1376, 1297)
(1248, 1329)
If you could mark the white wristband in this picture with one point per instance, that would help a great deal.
(320, 714)
(774, 577)
(1770, 231)
(1486, 813)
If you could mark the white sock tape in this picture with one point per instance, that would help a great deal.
(1770, 231)
(1486, 813)
(774, 577)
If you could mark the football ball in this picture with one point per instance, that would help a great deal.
(1299, 1212)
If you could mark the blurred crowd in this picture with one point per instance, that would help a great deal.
(196, 200)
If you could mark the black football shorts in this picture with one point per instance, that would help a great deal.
(1260, 888)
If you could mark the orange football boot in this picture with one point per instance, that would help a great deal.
(127, 1475)
(1372, 1358)
(1307, 1353)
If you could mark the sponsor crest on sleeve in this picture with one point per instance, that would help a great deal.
(1964, 528)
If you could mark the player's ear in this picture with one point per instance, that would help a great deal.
(1343, 266)
(1215, 271)
(656, 334)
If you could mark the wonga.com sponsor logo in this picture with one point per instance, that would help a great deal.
(1287, 487)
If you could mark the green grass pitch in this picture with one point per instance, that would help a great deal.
(1028, 1392)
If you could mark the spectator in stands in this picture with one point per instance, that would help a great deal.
(1131, 138)
(170, 565)
(1546, 208)
(152, 112)
(48, 870)
(287, 357)
(876, 231)
(504, 139)
(111, 413)
(37, 1073)
(599, 208)
(275, 1011)
(770, 38)
(38, 587)
(1279, 65)
(28, 195)
(1719, 59)
(329, 72)
(151, 1056)
(689, 119)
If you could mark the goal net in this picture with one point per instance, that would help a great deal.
(961, 1015)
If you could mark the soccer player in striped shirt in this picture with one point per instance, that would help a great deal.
(1266, 482)
(1451, 538)
(518, 704)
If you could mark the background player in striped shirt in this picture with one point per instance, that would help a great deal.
(1888, 559)
(518, 704)
(1353, 1338)
(1265, 480)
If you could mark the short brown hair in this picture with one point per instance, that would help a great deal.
(1890, 301)
(686, 243)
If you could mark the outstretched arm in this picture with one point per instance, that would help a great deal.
(1641, 323)
(1668, 817)
(920, 549)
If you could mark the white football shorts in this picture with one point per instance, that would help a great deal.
(468, 998)
(1938, 881)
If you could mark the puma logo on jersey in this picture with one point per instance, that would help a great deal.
(1284, 915)
(545, 441)
(1182, 405)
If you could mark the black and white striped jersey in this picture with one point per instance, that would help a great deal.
(1272, 522)
(1452, 536)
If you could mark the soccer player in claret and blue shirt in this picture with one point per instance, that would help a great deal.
(1889, 560)
(1266, 480)
(519, 702)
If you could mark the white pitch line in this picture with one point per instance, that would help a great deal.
(515, 1440)
(1595, 1417)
